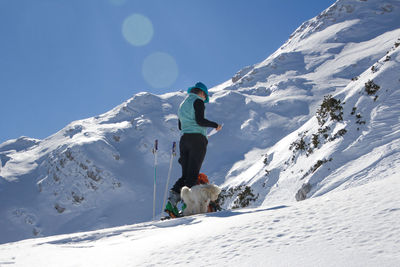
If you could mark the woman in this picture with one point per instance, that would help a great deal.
(193, 142)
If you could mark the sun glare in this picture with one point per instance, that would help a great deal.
(137, 29)
(160, 70)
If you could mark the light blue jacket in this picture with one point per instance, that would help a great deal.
(187, 117)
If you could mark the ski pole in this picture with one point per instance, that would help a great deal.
(155, 149)
(173, 154)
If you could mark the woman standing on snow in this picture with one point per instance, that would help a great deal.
(193, 142)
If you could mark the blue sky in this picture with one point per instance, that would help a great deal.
(65, 60)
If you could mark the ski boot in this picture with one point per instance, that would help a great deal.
(171, 208)
(172, 211)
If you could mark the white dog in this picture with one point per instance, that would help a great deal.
(198, 197)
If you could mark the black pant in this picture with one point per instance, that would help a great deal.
(193, 148)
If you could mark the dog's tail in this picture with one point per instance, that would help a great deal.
(216, 190)
(185, 192)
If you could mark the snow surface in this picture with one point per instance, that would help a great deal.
(98, 172)
(354, 227)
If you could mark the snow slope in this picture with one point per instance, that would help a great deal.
(353, 227)
(98, 172)
(362, 146)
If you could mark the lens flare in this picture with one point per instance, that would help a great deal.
(137, 30)
(160, 70)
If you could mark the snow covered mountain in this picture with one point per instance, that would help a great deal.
(320, 114)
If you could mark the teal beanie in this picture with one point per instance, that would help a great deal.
(203, 88)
